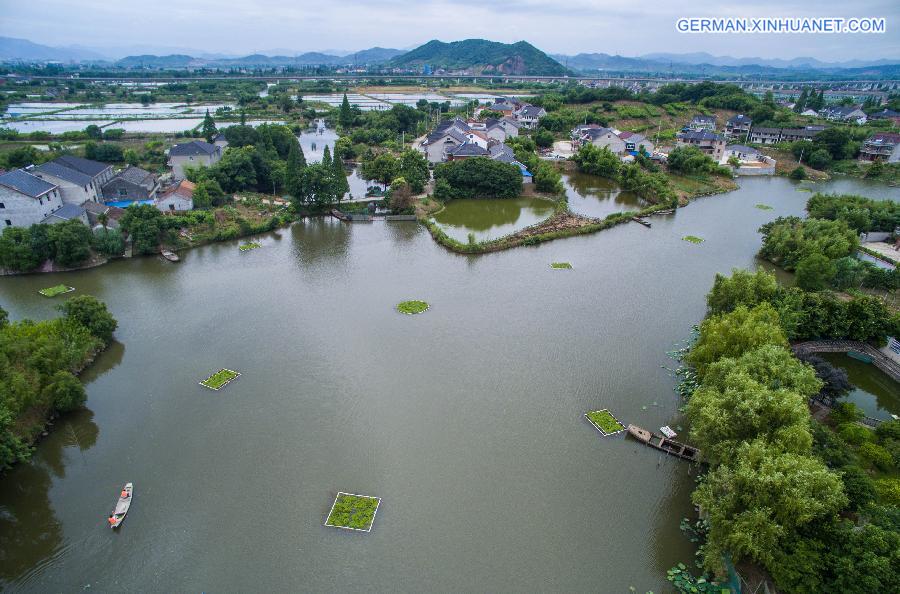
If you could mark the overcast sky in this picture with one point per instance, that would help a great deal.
(625, 27)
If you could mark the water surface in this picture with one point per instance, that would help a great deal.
(490, 219)
(873, 390)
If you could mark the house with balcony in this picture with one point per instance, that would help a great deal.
(193, 154)
(703, 122)
(709, 143)
(530, 115)
(851, 114)
(738, 126)
(881, 146)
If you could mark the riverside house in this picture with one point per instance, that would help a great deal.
(79, 180)
(178, 198)
(26, 199)
(132, 183)
(193, 154)
(738, 126)
(881, 146)
(708, 142)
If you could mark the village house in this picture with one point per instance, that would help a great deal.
(26, 199)
(760, 135)
(95, 209)
(708, 142)
(193, 154)
(604, 137)
(886, 114)
(177, 198)
(478, 137)
(68, 212)
(703, 122)
(635, 143)
(530, 115)
(810, 113)
(220, 141)
(844, 114)
(738, 126)
(79, 180)
(504, 106)
(467, 150)
(439, 143)
(881, 146)
(502, 129)
(132, 183)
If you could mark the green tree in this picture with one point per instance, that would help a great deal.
(741, 288)
(543, 138)
(109, 241)
(597, 161)
(293, 173)
(94, 132)
(732, 334)
(345, 115)
(16, 251)
(144, 223)
(814, 272)
(382, 168)
(71, 242)
(91, 313)
(480, 177)
(65, 392)
(339, 176)
(208, 127)
(414, 169)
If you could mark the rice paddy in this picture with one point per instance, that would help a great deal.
(353, 512)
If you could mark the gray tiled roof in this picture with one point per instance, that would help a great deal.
(469, 149)
(67, 211)
(700, 135)
(25, 183)
(451, 132)
(501, 149)
(138, 176)
(704, 118)
(531, 110)
(740, 119)
(85, 166)
(740, 148)
(62, 172)
(195, 147)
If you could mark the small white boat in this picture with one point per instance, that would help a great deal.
(118, 515)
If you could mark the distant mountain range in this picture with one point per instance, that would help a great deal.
(480, 56)
(477, 56)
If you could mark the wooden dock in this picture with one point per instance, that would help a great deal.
(685, 452)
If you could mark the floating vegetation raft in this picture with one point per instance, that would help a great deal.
(560, 265)
(412, 307)
(249, 246)
(220, 379)
(353, 512)
(605, 422)
(57, 290)
(763, 206)
(692, 239)
(804, 190)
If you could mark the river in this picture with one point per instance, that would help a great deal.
(466, 420)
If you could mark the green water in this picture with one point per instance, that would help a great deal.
(466, 420)
(873, 390)
(490, 219)
(598, 197)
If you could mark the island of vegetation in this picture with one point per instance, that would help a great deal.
(39, 362)
(604, 422)
(560, 265)
(220, 379)
(353, 512)
(412, 307)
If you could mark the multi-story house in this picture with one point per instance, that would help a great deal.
(703, 122)
(193, 154)
(530, 115)
(26, 199)
(708, 142)
(881, 146)
(738, 126)
(132, 183)
(79, 180)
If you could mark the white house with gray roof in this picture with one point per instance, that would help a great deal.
(68, 212)
(530, 115)
(26, 199)
(132, 183)
(193, 154)
(79, 180)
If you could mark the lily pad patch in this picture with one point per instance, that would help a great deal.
(412, 307)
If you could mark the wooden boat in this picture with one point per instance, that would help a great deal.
(860, 356)
(118, 515)
(685, 452)
(169, 255)
(340, 215)
(641, 221)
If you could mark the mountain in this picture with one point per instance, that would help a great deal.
(480, 56)
(27, 51)
(372, 56)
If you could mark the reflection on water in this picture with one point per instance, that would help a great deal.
(321, 242)
(873, 390)
(30, 533)
(598, 197)
(490, 219)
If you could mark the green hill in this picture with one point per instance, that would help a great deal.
(480, 56)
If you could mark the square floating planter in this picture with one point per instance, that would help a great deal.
(57, 290)
(561, 266)
(249, 246)
(604, 422)
(220, 379)
(412, 307)
(692, 239)
(353, 512)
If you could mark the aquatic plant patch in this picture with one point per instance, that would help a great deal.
(604, 421)
(412, 307)
(764, 207)
(353, 512)
(692, 239)
(249, 246)
(57, 290)
(561, 266)
(220, 379)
